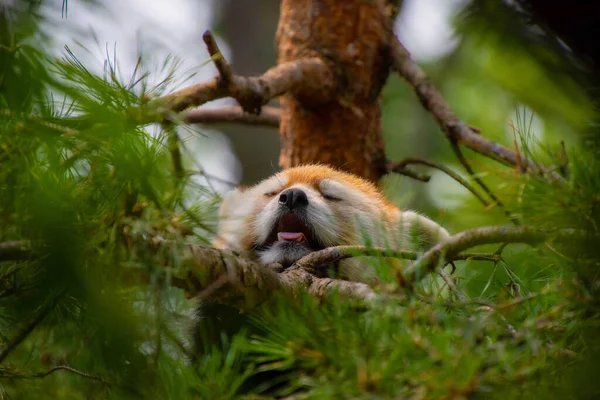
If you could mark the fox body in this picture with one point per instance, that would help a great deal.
(311, 207)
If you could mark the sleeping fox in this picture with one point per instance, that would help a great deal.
(296, 212)
(312, 207)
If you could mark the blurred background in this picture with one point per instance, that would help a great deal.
(486, 72)
(488, 75)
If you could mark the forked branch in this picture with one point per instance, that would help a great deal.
(308, 76)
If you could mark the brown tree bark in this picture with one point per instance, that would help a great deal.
(340, 126)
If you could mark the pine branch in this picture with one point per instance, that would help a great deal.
(455, 129)
(454, 245)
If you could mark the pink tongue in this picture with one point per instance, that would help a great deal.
(289, 235)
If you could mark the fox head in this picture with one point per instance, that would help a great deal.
(311, 207)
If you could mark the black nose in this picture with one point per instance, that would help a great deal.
(293, 198)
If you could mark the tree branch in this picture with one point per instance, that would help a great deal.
(482, 185)
(338, 253)
(452, 286)
(269, 116)
(400, 167)
(476, 237)
(308, 76)
(53, 370)
(250, 283)
(455, 129)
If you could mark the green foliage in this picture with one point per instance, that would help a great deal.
(84, 181)
(87, 183)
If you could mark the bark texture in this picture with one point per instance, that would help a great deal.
(340, 125)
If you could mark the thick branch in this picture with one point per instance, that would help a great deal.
(335, 254)
(250, 283)
(343, 129)
(322, 287)
(475, 237)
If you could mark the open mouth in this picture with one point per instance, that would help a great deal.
(292, 229)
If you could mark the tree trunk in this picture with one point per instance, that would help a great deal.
(344, 128)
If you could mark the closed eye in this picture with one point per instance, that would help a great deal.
(331, 198)
(270, 194)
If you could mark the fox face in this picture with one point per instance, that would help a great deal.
(309, 208)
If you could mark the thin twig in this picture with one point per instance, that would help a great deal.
(401, 165)
(41, 121)
(10, 272)
(564, 158)
(411, 174)
(467, 166)
(512, 332)
(26, 330)
(520, 167)
(485, 303)
(452, 286)
(334, 254)
(59, 368)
